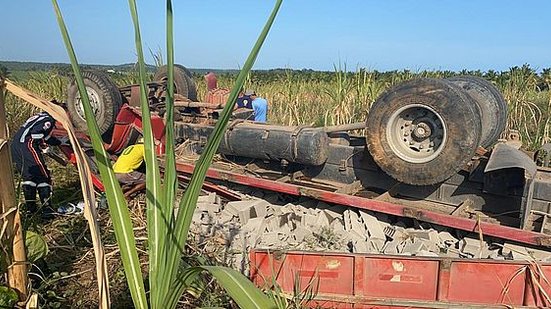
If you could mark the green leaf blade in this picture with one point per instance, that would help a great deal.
(115, 199)
(240, 288)
(189, 200)
(156, 220)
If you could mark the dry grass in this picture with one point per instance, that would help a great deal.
(67, 279)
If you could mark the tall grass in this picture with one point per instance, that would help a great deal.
(331, 98)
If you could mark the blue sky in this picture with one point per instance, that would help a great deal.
(316, 34)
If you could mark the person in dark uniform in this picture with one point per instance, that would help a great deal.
(26, 150)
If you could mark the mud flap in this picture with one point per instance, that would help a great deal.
(511, 171)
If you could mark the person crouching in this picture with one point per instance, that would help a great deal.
(26, 150)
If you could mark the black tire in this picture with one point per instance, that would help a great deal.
(492, 106)
(443, 111)
(183, 81)
(104, 97)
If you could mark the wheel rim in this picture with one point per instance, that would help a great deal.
(95, 102)
(416, 133)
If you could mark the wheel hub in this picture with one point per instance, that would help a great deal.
(422, 131)
(416, 133)
(94, 102)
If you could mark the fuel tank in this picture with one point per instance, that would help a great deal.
(299, 144)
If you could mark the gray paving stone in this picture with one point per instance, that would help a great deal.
(300, 233)
(210, 198)
(470, 246)
(308, 220)
(235, 207)
(373, 226)
(447, 238)
(393, 247)
(413, 247)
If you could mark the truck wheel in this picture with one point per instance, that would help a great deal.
(423, 131)
(492, 106)
(105, 98)
(183, 80)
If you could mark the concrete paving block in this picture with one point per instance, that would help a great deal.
(236, 206)
(337, 225)
(270, 239)
(395, 232)
(470, 246)
(245, 215)
(413, 247)
(373, 226)
(377, 243)
(426, 253)
(196, 218)
(352, 222)
(287, 208)
(206, 219)
(347, 224)
(353, 235)
(430, 245)
(322, 220)
(208, 207)
(354, 216)
(258, 209)
(210, 198)
(447, 238)
(299, 209)
(308, 220)
(515, 252)
(358, 227)
(261, 209)
(331, 214)
(273, 223)
(224, 216)
(255, 226)
(300, 233)
(393, 247)
(313, 211)
(362, 247)
(431, 235)
(539, 255)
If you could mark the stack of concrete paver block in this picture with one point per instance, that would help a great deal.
(317, 226)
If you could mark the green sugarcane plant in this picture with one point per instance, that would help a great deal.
(169, 275)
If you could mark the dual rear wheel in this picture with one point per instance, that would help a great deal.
(423, 131)
(106, 99)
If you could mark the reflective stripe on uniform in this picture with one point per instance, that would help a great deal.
(44, 184)
(24, 134)
(37, 158)
(29, 183)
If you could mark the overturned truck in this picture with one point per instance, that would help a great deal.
(436, 150)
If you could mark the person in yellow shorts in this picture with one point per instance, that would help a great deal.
(130, 166)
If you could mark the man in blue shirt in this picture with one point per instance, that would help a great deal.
(260, 106)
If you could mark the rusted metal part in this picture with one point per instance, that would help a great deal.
(196, 104)
(344, 280)
(345, 127)
(490, 229)
(214, 188)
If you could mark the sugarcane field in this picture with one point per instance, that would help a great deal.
(279, 154)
